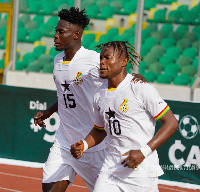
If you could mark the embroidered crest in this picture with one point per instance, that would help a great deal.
(78, 78)
(123, 107)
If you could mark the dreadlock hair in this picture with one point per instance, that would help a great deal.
(75, 16)
(121, 46)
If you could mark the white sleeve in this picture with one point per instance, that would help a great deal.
(99, 122)
(151, 100)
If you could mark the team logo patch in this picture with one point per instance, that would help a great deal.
(78, 78)
(123, 107)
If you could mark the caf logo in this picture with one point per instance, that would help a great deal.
(123, 107)
(78, 78)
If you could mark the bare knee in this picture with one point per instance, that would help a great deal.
(59, 186)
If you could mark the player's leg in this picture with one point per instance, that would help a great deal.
(57, 171)
(59, 186)
(88, 167)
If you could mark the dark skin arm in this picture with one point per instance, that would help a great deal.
(42, 115)
(138, 77)
(94, 138)
(169, 127)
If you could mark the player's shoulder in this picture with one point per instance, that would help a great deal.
(59, 57)
(90, 53)
(140, 88)
(103, 88)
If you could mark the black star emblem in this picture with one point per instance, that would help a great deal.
(66, 86)
(111, 113)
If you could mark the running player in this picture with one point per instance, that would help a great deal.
(76, 76)
(127, 114)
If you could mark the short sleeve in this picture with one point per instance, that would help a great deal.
(151, 100)
(99, 123)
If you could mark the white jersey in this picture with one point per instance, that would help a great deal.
(128, 115)
(76, 82)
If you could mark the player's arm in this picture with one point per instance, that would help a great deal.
(42, 115)
(95, 137)
(168, 128)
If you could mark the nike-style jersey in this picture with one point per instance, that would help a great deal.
(76, 82)
(128, 115)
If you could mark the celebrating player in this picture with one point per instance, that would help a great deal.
(125, 115)
(76, 76)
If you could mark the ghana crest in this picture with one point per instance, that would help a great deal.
(123, 107)
(78, 78)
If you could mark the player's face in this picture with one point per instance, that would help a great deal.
(111, 63)
(65, 35)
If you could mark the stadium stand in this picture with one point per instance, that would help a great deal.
(170, 34)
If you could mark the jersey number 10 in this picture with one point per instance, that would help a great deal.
(115, 126)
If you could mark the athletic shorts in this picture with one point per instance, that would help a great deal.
(110, 183)
(61, 165)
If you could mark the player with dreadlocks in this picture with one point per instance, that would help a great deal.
(76, 76)
(125, 115)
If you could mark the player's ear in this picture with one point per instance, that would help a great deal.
(77, 34)
(125, 61)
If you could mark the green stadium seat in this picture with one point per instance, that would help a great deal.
(31, 25)
(34, 7)
(34, 35)
(106, 12)
(156, 67)
(167, 42)
(150, 76)
(22, 34)
(87, 39)
(191, 36)
(3, 22)
(182, 29)
(46, 30)
(158, 34)
(53, 52)
(183, 61)
(164, 78)
(3, 32)
(52, 21)
(173, 52)
(25, 18)
(63, 6)
(158, 50)
(48, 8)
(145, 34)
(48, 68)
(190, 52)
(196, 29)
(102, 3)
(184, 43)
(92, 45)
(143, 67)
(166, 28)
(149, 4)
(39, 50)
(188, 18)
(1, 63)
(173, 16)
(182, 79)
(117, 5)
(28, 58)
(151, 41)
(92, 11)
(176, 35)
(172, 70)
(39, 19)
(128, 8)
(20, 65)
(86, 3)
(195, 63)
(189, 69)
(144, 50)
(45, 59)
(150, 58)
(105, 38)
(152, 27)
(159, 16)
(113, 31)
(195, 45)
(33, 67)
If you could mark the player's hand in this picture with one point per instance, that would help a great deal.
(77, 149)
(40, 117)
(138, 77)
(135, 157)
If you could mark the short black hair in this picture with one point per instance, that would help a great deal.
(75, 16)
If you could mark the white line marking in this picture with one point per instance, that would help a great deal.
(10, 189)
(20, 176)
(179, 190)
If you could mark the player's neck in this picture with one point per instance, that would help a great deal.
(113, 82)
(69, 53)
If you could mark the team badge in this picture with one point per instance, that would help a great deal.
(123, 107)
(78, 78)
